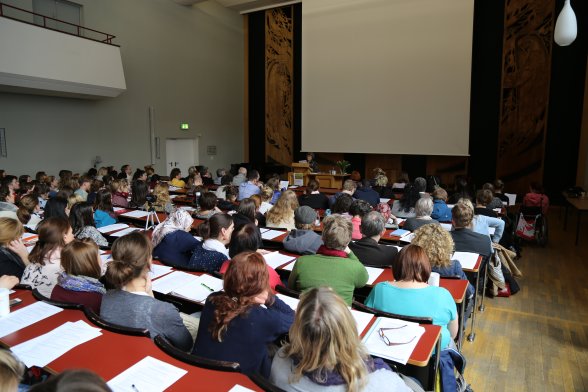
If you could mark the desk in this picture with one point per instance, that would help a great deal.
(580, 205)
(112, 353)
(327, 180)
(476, 270)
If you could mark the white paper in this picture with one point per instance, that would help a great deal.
(135, 214)
(147, 375)
(284, 184)
(200, 288)
(450, 206)
(48, 347)
(105, 258)
(276, 259)
(362, 319)
(290, 301)
(240, 388)
(26, 316)
(384, 200)
(491, 230)
(289, 266)
(400, 220)
(400, 352)
(116, 209)
(187, 208)
(271, 234)
(512, 198)
(124, 232)
(407, 238)
(373, 273)
(159, 270)
(168, 283)
(116, 226)
(446, 226)
(173, 196)
(497, 210)
(466, 259)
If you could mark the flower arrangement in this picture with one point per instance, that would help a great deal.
(343, 166)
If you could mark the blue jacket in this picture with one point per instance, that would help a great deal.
(441, 212)
(206, 260)
(176, 248)
(103, 218)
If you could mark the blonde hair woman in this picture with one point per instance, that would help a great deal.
(13, 254)
(282, 213)
(163, 201)
(325, 354)
(11, 371)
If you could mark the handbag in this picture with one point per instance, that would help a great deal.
(525, 229)
(495, 273)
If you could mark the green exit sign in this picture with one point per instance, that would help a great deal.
(184, 126)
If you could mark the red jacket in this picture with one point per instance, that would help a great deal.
(536, 200)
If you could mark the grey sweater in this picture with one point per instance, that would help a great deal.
(304, 242)
(142, 311)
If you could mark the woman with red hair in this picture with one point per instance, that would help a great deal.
(244, 318)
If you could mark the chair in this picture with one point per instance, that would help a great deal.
(21, 286)
(380, 313)
(194, 360)
(289, 292)
(64, 305)
(100, 322)
(264, 383)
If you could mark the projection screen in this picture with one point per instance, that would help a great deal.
(386, 76)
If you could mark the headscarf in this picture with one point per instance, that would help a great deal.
(384, 209)
(177, 220)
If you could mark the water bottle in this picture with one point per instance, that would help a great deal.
(317, 221)
(327, 212)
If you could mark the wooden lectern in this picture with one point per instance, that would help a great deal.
(300, 172)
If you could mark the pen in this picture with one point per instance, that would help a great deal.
(134, 388)
(206, 286)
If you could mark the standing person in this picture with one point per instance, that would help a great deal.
(410, 295)
(131, 303)
(45, 258)
(244, 318)
(324, 352)
(312, 164)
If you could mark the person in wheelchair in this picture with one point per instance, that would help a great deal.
(536, 198)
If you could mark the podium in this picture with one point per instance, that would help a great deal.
(301, 174)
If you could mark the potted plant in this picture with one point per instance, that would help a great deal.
(343, 166)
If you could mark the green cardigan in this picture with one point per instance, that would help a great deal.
(341, 274)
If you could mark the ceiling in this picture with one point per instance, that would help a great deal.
(243, 6)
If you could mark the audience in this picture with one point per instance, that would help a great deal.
(131, 303)
(78, 282)
(324, 353)
(303, 239)
(357, 210)
(404, 208)
(244, 318)
(29, 211)
(496, 201)
(103, 210)
(207, 204)
(246, 213)
(410, 295)
(212, 252)
(11, 371)
(349, 188)
(120, 194)
(281, 215)
(367, 249)
(139, 192)
(334, 264)
(249, 187)
(266, 195)
(240, 177)
(7, 199)
(84, 188)
(462, 191)
(441, 211)
(14, 256)
(56, 207)
(422, 210)
(313, 198)
(483, 200)
(536, 198)
(175, 178)
(82, 222)
(172, 241)
(45, 258)
(365, 192)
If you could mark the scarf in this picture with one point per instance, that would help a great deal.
(80, 283)
(177, 220)
(323, 250)
(332, 377)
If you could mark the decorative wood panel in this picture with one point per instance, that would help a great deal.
(526, 66)
(279, 89)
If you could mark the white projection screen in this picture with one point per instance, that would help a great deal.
(386, 76)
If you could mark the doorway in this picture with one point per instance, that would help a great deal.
(181, 153)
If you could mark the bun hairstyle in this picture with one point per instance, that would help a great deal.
(246, 277)
(131, 256)
(80, 258)
(51, 232)
(26, 208)
(212, 227)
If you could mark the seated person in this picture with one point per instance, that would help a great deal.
(482, 223)
(342, 205)
(249, 187)
(536, 198)
(441, 211)
(266, 195)
(84, 188)
(11, 371)
(103, 211)
(45, 258)
(212, 252)
(463, 235)
(81, 380)
(246, 238)
(357, 210)
(172, 241)
(334, 264)
(274, 183)
(29, 211)
(483, 199)
(246, 213)
(462, 190)
(230, 201)
(240, 177)
(349, 187)
(78, 282)
(410, 295)
(220, 172)
(207, 204)
(313, 198)
(281, 215)
(175, 178)
(162, 200)
(496, 201)
(365, 192)
(367, 250)
(56, 207)
(8, 281)
(259, 217)
(422, 211)
(131, 303)
(303, 239)
(499, 191)
(225, 181)
(324, 352)
(120, 193)
(81, 218)
(7, 199)
(404, 208)
(139, 192)
(243, 319)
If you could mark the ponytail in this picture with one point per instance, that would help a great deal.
(212, 227)
(131, 256)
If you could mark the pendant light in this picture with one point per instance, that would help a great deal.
(566, 27)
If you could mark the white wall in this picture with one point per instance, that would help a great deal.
(185, 62)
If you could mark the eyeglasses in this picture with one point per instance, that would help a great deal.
(387, 341)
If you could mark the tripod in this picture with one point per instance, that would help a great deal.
(151, 217)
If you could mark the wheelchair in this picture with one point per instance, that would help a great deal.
(531, 225)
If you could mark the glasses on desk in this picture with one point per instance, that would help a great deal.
(387, 341)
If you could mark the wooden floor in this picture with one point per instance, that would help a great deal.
(537, 340)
